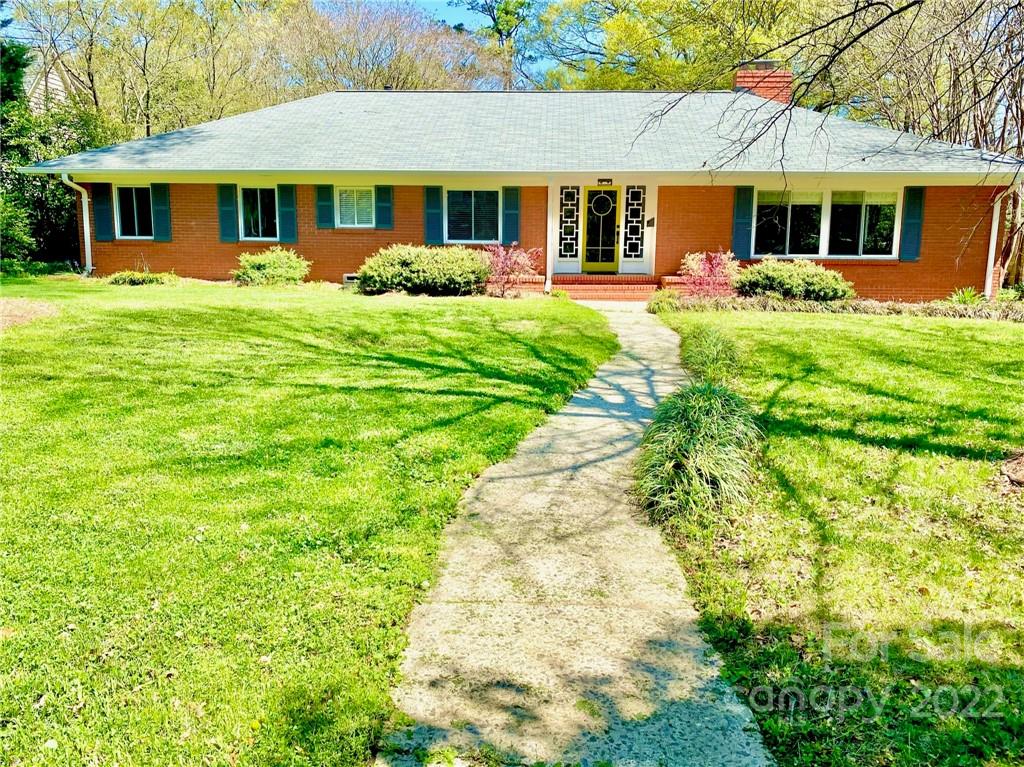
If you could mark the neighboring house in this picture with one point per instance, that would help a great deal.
(50, 83)
(612, 197)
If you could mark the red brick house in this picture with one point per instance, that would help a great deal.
(614, 187)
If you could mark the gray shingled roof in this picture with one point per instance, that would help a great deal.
(534, 132)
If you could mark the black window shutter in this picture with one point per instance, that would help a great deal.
(510, 215)
(384, 199)
(287, 216)
(913, 219)
(227, 212)
(103, 212)
(325, 207)
(742, 221)
(160, 195)
(433, 214)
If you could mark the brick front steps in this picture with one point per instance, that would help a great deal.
(609, 287)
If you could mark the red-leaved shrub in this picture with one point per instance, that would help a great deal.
(709, 273)
(510, 266)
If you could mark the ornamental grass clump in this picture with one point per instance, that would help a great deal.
(663, 300)
(710, 355)
(798, 280)
(129, 277)
(273, 266)
(696, 456)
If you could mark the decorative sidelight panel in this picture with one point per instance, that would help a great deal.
(568, 222)
(633, 241)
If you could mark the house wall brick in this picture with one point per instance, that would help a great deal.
(954, 246)
(195, 249)
(691, 219)
(954, 241)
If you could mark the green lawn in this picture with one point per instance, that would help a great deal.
(880, 558)
(218, 505)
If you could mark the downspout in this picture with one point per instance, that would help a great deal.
(993, 238)
(85, 219)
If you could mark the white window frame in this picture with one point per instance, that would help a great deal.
(117, 212)
(826, 225)
(501, 210)
(241, 216)
(373, 208)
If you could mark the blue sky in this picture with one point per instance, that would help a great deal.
(441, 10)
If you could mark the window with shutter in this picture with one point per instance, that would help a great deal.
(473, 215)
(133, 213)
(355, 207)
(259, 213)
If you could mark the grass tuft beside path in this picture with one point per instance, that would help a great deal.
(870, 598)
(218, 505)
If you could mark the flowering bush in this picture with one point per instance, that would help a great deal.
(709, 273)
(509, 267)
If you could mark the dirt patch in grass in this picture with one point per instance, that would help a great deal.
(1013, 469)
(17, 311)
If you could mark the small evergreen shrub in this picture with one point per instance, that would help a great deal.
(509, 267)
(561, 295)
(966, 297)
(696, 455)
(130, 277)
(419, 269)
(273, 266)
(800, 280)
(709, 273)
(663, 301)
(709, 354)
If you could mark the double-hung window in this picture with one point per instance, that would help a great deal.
(259, 213)
(355, 206)
(472, 216)
(134, 212)
(862, 224)
(788, 223)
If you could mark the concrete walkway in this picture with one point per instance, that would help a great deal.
(560, 629)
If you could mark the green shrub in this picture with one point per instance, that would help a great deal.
(1012, 293)
(447, 271)
(966, 297)
(663, 301)
(273, 266)
(803, 280)
(15, 230)
(696, 455)
(129, 277)
(709, 354)
(17, 267)
(561, 295)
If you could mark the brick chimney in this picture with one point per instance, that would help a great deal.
(765, 78)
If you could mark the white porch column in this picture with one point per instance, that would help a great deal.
(552, 238)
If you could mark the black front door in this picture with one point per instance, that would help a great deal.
(601, 230)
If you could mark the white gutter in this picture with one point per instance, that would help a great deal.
(85, 220)
(993, 238)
